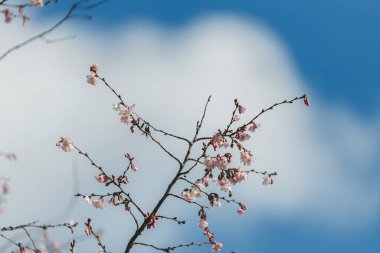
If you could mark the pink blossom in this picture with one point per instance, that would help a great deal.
(102, 178)
(223, 184)
(134, 167)
(242, 109)
(65, 144)
(216, 203)
(217, 246)
(98, 203)
(236, 117)
(203, 224)
(240, 211)
(243, 136)
(209, 162)
(246, 158)
(221, 163)
(7, 15)
(94, 68)
(92, 79)
(125, 112)
(238, 176)
(39, 3)
(217, 140)
(253, 127)
(188, 196)
(87, 199)
(88, 230)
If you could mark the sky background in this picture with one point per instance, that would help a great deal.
(176, 53)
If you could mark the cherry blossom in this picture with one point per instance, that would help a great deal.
(217, 140)
(243, 136)
(64, 144)
(203, 224)
(92, 79)
(7, 15)
(102, 178)
(223, 184)
(39, 3)
(98, 203)
(216, 203)
(246, 158)
(188, 196)
(217, 246)
(241, 109)
(236, 117)
(134, 167)
(253, 127)
(94, 68)
(125, 112)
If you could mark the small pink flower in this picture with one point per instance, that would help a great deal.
(98, 203)
(223, 184)
(241, 211)
(64, 144)
(253, 127)
(217, 246)
(241, 109)
(236, 117)
(94, 68)
(217, 140)
(134, 167)
(188, 196)
(39, 3)
(216, 203)
(88, 230)
(102, 178)
(203, 224)
(7, 15)
(125, 113)
(92, 79)
(246, 158)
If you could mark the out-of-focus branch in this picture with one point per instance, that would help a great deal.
(82, 4)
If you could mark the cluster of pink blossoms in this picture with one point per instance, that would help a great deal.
(203, 224)
(9, 15)
(125, 112)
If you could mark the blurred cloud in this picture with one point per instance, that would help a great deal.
(325, 154)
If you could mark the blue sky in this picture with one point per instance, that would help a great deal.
(334, 46)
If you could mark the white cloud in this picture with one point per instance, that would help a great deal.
(324, 154)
